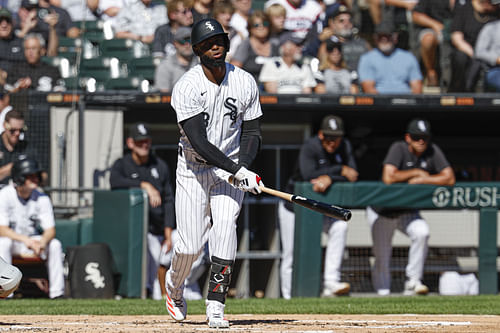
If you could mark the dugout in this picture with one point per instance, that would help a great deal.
(80, 135)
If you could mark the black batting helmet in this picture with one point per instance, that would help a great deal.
(206, 28)
(23, 167)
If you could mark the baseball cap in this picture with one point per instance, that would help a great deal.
(419, 127)
(5, 13)
(332, 125)
(182, 34)
(385, 28)
(139, 131)
(290, 36)
(495, 2)
(29, 3)
(342, 9)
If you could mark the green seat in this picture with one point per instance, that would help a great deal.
(144, 66)
(127, 83)
(95, 31)
(63, 65)
(70, 47)
(123, 48)
(101, 69)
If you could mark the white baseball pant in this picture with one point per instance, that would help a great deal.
(54, 260)
(382, 228)
(337, 234)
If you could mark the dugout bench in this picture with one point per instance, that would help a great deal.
(483, 196)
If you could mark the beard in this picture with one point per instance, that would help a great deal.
(386, 48)
(213, 63)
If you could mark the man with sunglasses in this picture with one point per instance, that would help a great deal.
(218, 113)
(12, 144)
(324, 159)
(414, 160)
(175, 65)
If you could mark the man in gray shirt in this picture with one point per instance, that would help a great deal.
(175, 65)
(488, 51)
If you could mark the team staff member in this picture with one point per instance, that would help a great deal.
(414, 161)
(323, 159)
(27, 225)
(218, 112)
(140, 168)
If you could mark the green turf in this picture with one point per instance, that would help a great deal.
(485, 305)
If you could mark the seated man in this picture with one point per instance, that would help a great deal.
(388, 69)
(27, 226)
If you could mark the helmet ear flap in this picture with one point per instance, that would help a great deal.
(227, 43)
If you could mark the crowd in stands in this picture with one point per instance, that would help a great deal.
(440, 46)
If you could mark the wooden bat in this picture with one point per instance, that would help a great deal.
(317, 206)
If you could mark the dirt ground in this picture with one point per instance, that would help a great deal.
(255, 323)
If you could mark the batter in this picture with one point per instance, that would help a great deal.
(218, 112)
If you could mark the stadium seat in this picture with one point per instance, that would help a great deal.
(62, 63)
(102, 68)
(95, 31)
(123, 48)
(144, 66)
(127, 83)
(70, 47)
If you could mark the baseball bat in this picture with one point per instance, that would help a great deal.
(317, 206)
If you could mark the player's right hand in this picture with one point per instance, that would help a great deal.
(248, 181)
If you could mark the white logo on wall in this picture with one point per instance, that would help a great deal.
(94, 275)
(210, 26)
(465, 197)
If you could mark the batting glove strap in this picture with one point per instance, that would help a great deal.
(248, 181)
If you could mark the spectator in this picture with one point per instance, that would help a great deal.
(109, 9)
(179, 15)
(139, 20)
(239, 20)
(388, 69)
(337, 79)
(44, 13)
(396, 12)
(202, 9)
(175, 65)
(27, 226)
(301, 16)
(487, 50)
(11, 46)
(277, 15)
(432, 20)
(30, 22)
(34, 73)
(414, 161)
(323, 160)
(222, 12)
(5, 107)
(13, 145)
(254, 51)
(143, 169)
(468, 19)
(340, 28)
(285, 75)
(75, 9)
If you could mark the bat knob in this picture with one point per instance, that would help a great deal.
(347, 215)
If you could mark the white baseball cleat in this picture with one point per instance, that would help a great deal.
(415, 287)
(10, 278)
(336, 289)
(177, 309)
(215, 315)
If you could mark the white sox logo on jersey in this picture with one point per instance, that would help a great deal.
(229, 104)
(210, 26)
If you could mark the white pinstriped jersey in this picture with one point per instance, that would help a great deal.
(224, 106)
(28, 217)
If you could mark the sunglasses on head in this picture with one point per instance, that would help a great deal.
(184, 41)
(418, 137)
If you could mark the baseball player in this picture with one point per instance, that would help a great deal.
(323, 159)
(27, 226)
(218, 112)
(414, 161)
(10, 278)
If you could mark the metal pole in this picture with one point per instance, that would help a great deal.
(81, 146)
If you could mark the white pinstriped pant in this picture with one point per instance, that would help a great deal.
(337, 234)
(412, 225)
(207, 208)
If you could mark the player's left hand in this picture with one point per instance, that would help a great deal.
(248, 181)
